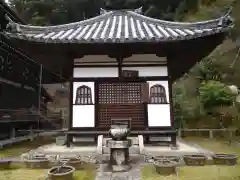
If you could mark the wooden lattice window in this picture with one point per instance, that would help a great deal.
(158, 94)
(83, 95)
(120, 93)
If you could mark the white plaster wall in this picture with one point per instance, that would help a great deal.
(83, 116)
(159, 115)
(95, 72)
(145, 58)
(163, 83)
(149, 71)
(78, 84)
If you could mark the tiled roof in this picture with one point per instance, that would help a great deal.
(119, 27)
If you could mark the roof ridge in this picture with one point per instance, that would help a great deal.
(138, 10)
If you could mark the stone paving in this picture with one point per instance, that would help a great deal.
(184, 148)
(133, 174)
(73, 150)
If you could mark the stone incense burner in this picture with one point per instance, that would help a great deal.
(119, 149)
(119, 133)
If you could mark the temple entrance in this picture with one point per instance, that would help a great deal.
(121, 101)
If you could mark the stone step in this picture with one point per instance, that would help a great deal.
(83, 139)
(160, 139)
(134, 140)
(132, 150)
(134, 158)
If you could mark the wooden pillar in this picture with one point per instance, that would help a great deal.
(170, 83)
(68, 136)
(68, 140)
(119, 60)
(13, 135)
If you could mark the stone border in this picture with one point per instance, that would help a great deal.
(208, 152)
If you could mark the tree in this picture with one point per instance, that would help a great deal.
(52, 12)
(215, 94)
(187, 109)
(42, 12)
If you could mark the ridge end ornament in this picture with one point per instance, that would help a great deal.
(103, 11)
(226, 20)
(139, 10)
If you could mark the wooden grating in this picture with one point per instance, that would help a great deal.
(120, 93)
(121, 100)
(124, 111)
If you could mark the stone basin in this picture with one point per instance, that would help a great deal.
(171, 158)
(195, 160)
(224, 159)
(165, 166)
(5, 164)
(61, 173)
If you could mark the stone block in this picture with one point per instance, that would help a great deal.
(61, 140)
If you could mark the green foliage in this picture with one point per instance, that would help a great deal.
(215, 93)
(186, 108)
(51, 12)
(42, 12)
(207, 2)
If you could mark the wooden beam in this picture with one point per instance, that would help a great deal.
(119, 60)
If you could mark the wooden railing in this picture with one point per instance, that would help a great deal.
(210, 133)
(18, 115)
(10, 115)
(51, 121)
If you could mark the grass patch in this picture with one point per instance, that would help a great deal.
(217, 146)
(88, 173)
(19, 173)
(201, 173)
(23, 147)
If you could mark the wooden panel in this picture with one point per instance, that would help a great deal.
(129, 73)
(108, 112)
(121, 100)
(145, 92)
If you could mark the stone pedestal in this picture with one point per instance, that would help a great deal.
(119, 157)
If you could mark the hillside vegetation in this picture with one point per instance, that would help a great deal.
(199, 98)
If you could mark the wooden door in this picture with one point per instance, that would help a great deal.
(121, 101)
